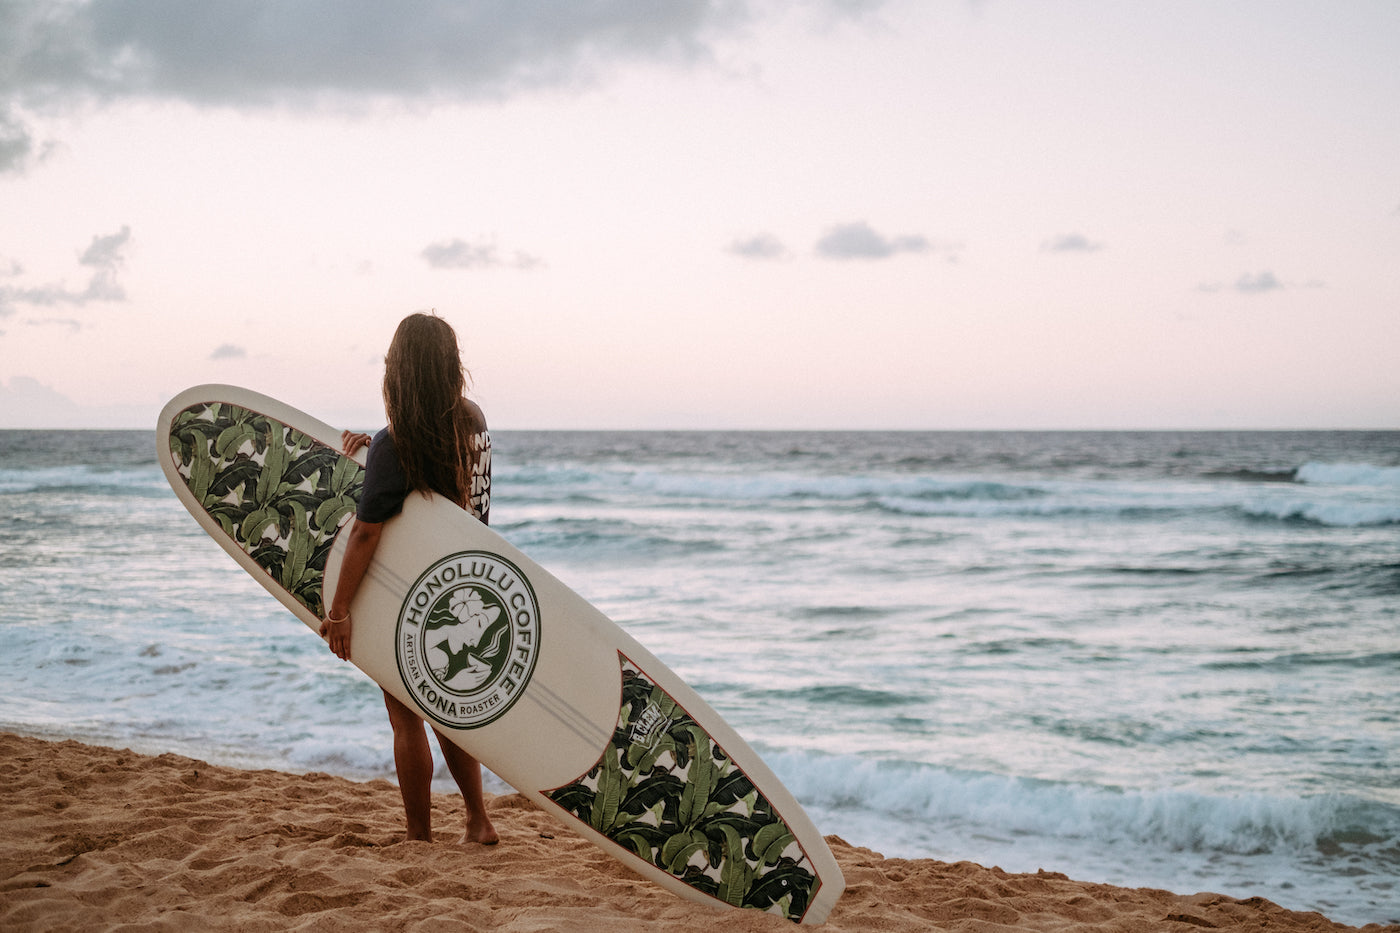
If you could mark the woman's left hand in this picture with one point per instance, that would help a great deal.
(350, 441)
(337, 634)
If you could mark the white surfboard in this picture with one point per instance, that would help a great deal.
(503, 659)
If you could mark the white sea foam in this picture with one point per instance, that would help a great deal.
(774, 486)
(1177, 839)
(1348, 474)
(1332, 512)
(1337, 495)
(1177, 819)
(80, 477)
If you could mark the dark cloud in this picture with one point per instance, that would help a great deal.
(855, 7)
(261, 51)
(228, 351)
(860, 241)
(1070, 243)
(255, 53)
(16, 143)
(459, 254)
(252, 53)
(104, 256)
(18, 148)
(762, 246)
(1258, 284)
(1253, 284)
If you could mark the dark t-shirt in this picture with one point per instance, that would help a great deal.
(386, 487)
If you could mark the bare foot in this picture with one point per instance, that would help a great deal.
(480, 833)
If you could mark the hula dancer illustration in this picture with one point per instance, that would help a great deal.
(475, 638)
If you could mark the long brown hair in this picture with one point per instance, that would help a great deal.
(434, 427)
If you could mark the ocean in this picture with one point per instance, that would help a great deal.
(1150, 659)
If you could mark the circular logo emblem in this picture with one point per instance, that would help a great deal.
(467, 638)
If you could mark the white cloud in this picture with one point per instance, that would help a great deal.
(459, 254)
(104, 256)
(761, 246)
(28, 403)
(1254, 284)
(1257, 284)
(860, 241)
(73, 324)
(228, 351)
(1070, 243)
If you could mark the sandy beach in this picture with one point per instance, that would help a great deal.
(105, 839)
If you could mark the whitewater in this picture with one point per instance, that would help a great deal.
(1162, 659)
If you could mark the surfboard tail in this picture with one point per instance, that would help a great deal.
(668, 795)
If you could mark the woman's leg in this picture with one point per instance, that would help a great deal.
(413, 760)
(466, 770)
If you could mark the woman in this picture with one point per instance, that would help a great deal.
(436, 441)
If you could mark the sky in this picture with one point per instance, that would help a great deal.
(709, 214)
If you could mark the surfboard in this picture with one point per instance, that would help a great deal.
(503, 659)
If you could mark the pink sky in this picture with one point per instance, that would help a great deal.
(757, 215)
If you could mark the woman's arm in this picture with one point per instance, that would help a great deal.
(359, 551)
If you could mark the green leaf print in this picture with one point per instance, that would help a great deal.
(232, 439)
(732, 788)
(255, 525)
(299, 549)
(736, 876)
(652, 790)
(202, 475)
(664, 790)
(270, 476)
(663, 702)
(608, 798)
(641, 839)
(331, 511)
(777, 883)
(232, 480)
(678, 850)
(345, 476)
(576, 798)
(770, 842)
(700, 779)
(277, 492)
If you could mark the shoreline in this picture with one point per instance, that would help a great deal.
(96, 838)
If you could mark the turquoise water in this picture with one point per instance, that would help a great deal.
(1157, 659)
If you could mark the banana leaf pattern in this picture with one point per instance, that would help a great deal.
(278, 493)
(666, 791)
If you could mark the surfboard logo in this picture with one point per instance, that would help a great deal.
(648, 727)
(467, 638)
